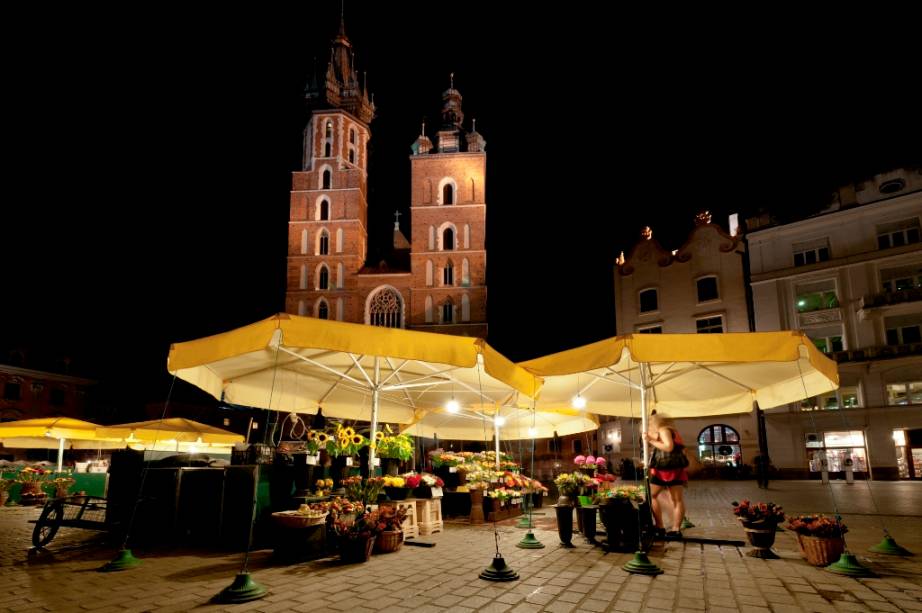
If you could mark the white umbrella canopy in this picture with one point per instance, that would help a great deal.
(685, 375)
(516, 424)
(175, 429)
(352, 371)
(41, 442)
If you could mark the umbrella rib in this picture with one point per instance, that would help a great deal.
(324, 366)
(394, 373)
(470, 388)
(621, 380)
(327, 393)
(362, 370)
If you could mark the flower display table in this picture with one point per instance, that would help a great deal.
(429, 515)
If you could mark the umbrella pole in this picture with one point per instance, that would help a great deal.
(496, 437)
(60, 454)
(375, 391)
(641, 564)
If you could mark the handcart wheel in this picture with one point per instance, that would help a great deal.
(48, 523)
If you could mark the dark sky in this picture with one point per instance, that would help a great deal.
(147, 196)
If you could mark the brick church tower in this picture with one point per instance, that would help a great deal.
(437, 282)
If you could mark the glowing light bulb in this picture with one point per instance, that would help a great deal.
(500, 420)
(579, 402)
(452, 406)
(532, 432)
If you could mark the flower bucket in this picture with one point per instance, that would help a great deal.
(388, 541)
(761, 535)
(397, 493)
(821, 551)
(354, 550)
(585, 501)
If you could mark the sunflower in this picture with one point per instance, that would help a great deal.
(322, 437)
(311, 435)
(348, 432)
(357, 439)
(379, 436)
(343, 442)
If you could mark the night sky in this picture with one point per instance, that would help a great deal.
(147, 198)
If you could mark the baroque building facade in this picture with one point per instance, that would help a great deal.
(436, 280)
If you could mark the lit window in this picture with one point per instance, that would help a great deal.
(649, 300)
(329, 129)
(719, 445)
(815, 296)
(904, 393)
(845, 397)
(900, 279)
(707, 289)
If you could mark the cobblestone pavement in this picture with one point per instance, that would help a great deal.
(444, 578)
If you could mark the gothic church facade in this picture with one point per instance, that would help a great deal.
(436, 281)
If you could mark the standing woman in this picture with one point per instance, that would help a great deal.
(663, 436)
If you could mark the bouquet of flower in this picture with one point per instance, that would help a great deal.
(364, 525)
(346, 441)
(399, 447)
(339, 507)
(323, 485)
(391, 518)
(568, 484)
(632, 493)
(758, 511)
(6, 484)
(589, 462)
(817, 525)
(61, 484)
(29, 475)
(363, 490)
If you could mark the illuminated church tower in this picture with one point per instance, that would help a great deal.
(435, 282)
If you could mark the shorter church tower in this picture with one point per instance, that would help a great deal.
(448, 220)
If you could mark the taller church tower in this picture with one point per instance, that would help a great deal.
(327, 234)
(448, 218)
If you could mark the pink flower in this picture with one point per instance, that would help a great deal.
(590, 460)
(579, 460)
(600, 461)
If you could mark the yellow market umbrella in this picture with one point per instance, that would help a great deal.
(514, 424)
(686, 375)
(40, 442)
(59, 428)
(300, 364)
(175, 429)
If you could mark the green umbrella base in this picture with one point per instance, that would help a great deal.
(243, 589)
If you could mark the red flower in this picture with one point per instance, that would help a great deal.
(439, 482)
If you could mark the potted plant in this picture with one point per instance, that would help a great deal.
(390, 528)
(5, 485)
(760, 521)
(356, 536)
(361, 490)
(396, 488)
(820, 537)
(620, 515)
(423, 483)
(567, 485)
(61, 485)
(393, 448)
(32, 480)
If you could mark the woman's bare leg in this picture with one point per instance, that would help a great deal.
(655, 491)
(677, 496)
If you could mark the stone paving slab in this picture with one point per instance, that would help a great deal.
(445, 578)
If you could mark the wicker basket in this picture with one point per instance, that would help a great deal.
(293, 519)
(388, 541)
(821, 551)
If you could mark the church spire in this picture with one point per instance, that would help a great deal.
(340, 87)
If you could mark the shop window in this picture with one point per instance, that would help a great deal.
(719, 445)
